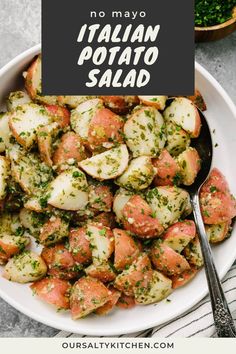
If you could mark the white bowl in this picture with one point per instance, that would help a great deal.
(221, 115)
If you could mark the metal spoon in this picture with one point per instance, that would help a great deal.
(222, 317)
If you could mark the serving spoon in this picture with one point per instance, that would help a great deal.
(222, 317)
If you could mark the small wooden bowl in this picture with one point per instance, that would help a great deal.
(213, 33)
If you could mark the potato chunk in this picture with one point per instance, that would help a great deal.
(82, 115)
(68, 190)
(177, 139)
(144, 132)
(24, 122)
(190, 163)
(159, 288)
(138, 175)
(183, 112)
(87, 295)
(25, 267)
(107, 165)
(168, 203)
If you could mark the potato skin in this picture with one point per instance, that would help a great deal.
(126, 249)
(11, 245)
(190, 164)
(168, 171)
(166, 260)
(103, 272)
(105, 130)
(137, 276)
(70, 147)
(183, 278)
(100, 197)
(217, 207)
(54, 230)
(178, 235)
(54, 291)
(25, 267)
(125, 302)
(60, 262)
(218, 232)
(60, 115)
(137, 218)
(198, 100)
(87, 295)
(109, 305)
(80, 245)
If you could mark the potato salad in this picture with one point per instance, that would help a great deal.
(100, 184)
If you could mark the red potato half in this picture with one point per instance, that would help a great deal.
(193, 252)
(126, 249)
(54, 291)
(121, 197)
(69, 150)
(125, 302)
(105, 130)
(183, 278)
(145, 132)
(106, 219)
(80, 245)
(107, 165)
(60, 262)
(120, 104)
(45, 137)
(217, 233)
(87, 295)
(167, 170)
(59, 114)
(68, 191)
(33, 83)
(103, 272)
(100, 197)
(54, 230)
(25, 121)
(183, 113)
(158, 102)
(190, 164)
(137, 218)
(25, 267)
(109, 305)
(217, 207)
(168, 204)
(177, 139)
(158, 289)
(11, 245)
(166, 260)
(216, 182)
(82, 116)
(138, 175)
(198, 100)
(179, 235)
(137, 276)
(102, 242)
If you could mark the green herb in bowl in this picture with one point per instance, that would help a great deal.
(213, 12)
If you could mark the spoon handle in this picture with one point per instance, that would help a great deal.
(222, 317)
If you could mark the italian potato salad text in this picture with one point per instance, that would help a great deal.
(99, 182)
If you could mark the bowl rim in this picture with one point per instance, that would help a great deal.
(136, 327)
(219, 26)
